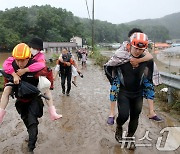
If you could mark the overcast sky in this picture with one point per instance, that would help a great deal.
(114, 11)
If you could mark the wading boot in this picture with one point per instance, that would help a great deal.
(118, 133)
(30, 151)
(130, 144)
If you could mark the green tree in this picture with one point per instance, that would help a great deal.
(8, 38)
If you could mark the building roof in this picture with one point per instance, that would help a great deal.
(162, 45)
(76, 37)
(58, 44)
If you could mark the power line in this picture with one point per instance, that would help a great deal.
(93, 27)
(87, 9)
(92, 23)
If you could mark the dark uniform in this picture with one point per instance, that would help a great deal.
(66, 72)
(130, 97)
(30, 107)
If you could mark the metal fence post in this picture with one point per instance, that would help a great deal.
(169, 95)
(173, 82)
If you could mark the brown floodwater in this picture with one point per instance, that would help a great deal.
(3, 56)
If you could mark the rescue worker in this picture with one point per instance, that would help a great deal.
(65, 62)
(130, 97)
(30, 108)
(36, 46)
(148, 91)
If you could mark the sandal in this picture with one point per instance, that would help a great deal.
(156, 118)
(110, 120)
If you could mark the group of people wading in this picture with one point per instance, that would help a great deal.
(131, 72)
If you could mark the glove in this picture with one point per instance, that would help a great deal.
(53, 114)
(2, 113)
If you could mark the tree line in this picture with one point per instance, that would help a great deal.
(52, 24)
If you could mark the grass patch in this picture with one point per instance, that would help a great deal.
(1, 83)
(1, 80)
(162, 101)
(99, 59)
(52, 60)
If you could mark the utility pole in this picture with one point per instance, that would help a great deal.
(93, 27)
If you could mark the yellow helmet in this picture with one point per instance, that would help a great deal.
(21, 51)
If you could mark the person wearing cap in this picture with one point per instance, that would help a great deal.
(30, 108)
(38, 66)
(130, 97)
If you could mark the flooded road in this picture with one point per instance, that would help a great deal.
(83, 128)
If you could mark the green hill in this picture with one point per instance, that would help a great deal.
(171, 22)
(58, 25)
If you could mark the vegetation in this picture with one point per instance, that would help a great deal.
(58, 25)
(1, 83)
(52, 60)
(170, 22)
(162, 102)
(99, 59)
(162, 97)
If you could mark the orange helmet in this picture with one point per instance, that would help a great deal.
(139, 40)
(21, 51)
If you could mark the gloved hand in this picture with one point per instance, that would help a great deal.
(53, 114)
(2, 113)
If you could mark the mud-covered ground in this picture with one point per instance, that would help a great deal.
(83, 128)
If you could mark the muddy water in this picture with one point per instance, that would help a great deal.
(83, 128)
(3, 56)
(170, 56)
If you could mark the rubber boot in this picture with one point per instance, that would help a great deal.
(118, 133)
(2, 113)
(53, 114)
(33, 132)
(131, 142)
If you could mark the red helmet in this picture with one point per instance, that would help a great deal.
(139, 40)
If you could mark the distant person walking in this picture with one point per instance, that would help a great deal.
(79, 55)
(84, 58)
(65, 63)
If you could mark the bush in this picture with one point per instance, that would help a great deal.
(52, 60)
(1, 83)
(162, 97)
(99, 59)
